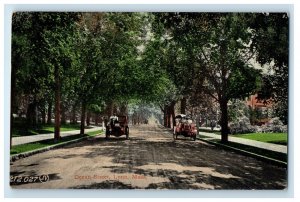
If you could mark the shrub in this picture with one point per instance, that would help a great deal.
(242, 125)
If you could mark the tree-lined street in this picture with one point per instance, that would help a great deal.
(158, 73)
(79, 66)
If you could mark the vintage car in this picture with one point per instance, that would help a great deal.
(117, 126)
(184, 126)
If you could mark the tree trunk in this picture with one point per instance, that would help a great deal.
(43, 112)
(96, 117)
(183, 105)
(169, 117)
(197, 124)
(82, 121)
(110, 108)
(49, 113)
(57, 104)
(11, 127)
(88, 118)
(166, 116)
(31, 114)
(115, 110)
(224, 121)
(13, 102)
(63, 114)
(74, 121)
(172, 113)
(36, 116)
(124, 109)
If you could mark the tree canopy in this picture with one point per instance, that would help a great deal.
(101, 62)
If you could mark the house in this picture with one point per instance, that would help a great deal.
(262, 109)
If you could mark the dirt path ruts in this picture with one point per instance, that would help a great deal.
(150, 159)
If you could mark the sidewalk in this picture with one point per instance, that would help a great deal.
(35, 138)
(262, 145)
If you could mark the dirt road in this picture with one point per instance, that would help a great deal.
(150, 159)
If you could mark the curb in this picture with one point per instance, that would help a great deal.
(247, 153)
(37, 151)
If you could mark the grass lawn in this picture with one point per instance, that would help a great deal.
(45, 143)
(275, 138)
(22, 130)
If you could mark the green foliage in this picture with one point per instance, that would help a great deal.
(225, 59)
(40, 39)
(254, 115)
(270, 42)
(245, 81)
(96, 54)
(237, 109)
(281, 109)
(212, 56)
(109, 65)
(210, 46)
(271, 35)
(155, 57)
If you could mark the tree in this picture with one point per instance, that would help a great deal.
(29, 74)
(270, 43)
(158, 60)
(178, 53)
(225, 64)
(59, 44)
(218, 43)
(47, 52)
(108, 60)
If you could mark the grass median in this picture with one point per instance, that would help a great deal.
(22, 129)
(274, 138)
(249, 149)
(17, 149)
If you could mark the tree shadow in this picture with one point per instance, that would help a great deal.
(182, 138)
(226, 169)
(108, 184)
(32, 164)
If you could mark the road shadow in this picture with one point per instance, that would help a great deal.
(218, 168)
(108, 184)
